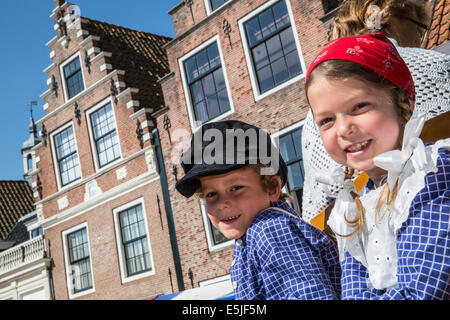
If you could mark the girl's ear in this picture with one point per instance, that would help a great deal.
(275, 192)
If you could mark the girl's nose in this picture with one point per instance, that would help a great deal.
(345, 126)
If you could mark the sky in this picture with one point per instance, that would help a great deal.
(26, 27)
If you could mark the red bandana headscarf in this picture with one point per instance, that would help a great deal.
(373, 51)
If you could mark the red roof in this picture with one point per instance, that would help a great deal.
(16, 200)
(439, 31)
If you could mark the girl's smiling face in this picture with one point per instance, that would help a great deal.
(234, 199)
(357, 121)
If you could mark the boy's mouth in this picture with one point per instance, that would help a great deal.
(358, 146)
(230, 219)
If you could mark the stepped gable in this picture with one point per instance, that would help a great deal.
(138, 53)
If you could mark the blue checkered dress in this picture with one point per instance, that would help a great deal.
(423, 247)
(282, 257)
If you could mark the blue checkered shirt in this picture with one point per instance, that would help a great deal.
(423, 247)
(283, 257)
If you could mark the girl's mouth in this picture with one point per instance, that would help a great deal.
(358, 147)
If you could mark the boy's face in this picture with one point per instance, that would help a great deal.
(356, 121)
(234, 199)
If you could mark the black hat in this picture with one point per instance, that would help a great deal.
(219, 147)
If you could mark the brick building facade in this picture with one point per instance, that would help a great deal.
(242, 60)
(97, 183)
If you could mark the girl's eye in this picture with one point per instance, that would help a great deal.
(325, 121)
(360, 106)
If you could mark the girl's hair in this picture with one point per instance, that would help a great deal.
(267, 181)
(354, 15)
(343, 70)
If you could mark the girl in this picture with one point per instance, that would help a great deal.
(393, 235)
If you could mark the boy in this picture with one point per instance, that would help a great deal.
(276, 255)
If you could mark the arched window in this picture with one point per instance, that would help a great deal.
(29, 162)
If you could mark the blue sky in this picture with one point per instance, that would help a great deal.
(26, 27)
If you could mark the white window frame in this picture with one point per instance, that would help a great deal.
(275, 137)
(63, 78)
(195, 125)
(248, 56)
(209, 238)
(121, 254)
(55, 158)
(70, 290)
(91, 134)
(209, 9)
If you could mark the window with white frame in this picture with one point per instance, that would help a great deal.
(66, 156)
(104, 135)
(133, 241)
(79, 260)
(73, 77)
(204, 76)
(272, 50)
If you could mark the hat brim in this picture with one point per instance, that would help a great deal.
(189, 184)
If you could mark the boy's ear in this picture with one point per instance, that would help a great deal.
(274, 193)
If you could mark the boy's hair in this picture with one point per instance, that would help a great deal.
(342, 70)
(353, 16)
(267, 182)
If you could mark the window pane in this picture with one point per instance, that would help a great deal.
(297, 138)
(208, 85)
(280, 72)
(260, 56)
(202, 62)
(281, 14)
(287, 148)
(253, 31)
(213, 106)
(295, 176)
(219, 79)
(201, 113)
(191, 69)
(213, 55)
(287, 40)
(105, 135)
(274, 48)
(217, 3)
(197, 91)
(267, 23)
(223, 101)
(67, 157)
(73, 78)
(293, 64)
(265, 79)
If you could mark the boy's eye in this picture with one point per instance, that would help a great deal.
(235, 188)
(210, 194)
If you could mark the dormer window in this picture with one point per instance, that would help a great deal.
(72, 75)
(73, 78)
